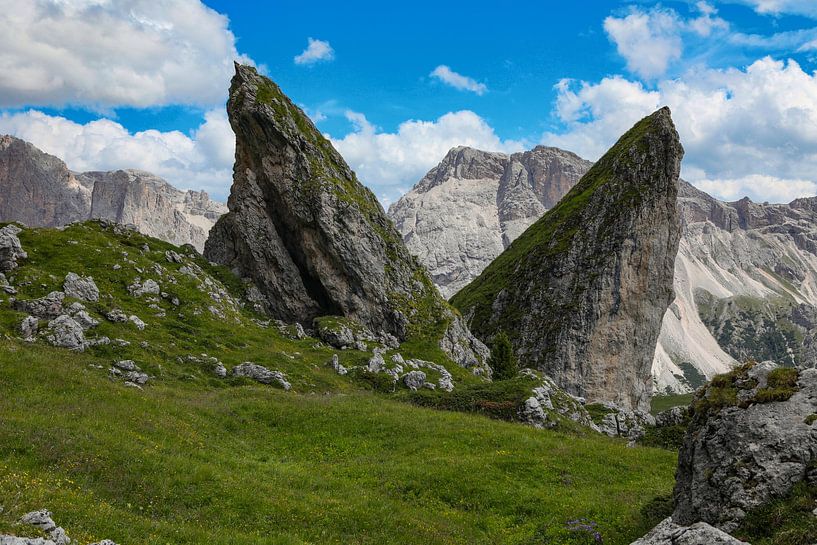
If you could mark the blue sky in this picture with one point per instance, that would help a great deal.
(141, 84)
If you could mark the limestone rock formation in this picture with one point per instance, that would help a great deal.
(37, 189)
(744, 275)
(751, 440)
(700, 533)
(312, 238)
(582, 292)
(472, 205)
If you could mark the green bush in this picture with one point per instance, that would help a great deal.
(503, 361)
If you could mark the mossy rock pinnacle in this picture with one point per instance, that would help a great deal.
(307, 233)
(582, 292)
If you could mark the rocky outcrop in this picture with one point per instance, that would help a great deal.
(38, 190)
(582, 292)
(752, 438)
(11, 250)
(42, 521)
(312, 238)
(472, 205)
(700, 533)
(261, 374)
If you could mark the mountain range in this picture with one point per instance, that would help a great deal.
(745, 273)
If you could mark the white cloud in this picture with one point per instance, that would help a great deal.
(650, 41)
(201, 161)
(104, 53)
(316, 51)
(391, 162)
(758, 187)
(735, 125)
(777, 7)
(458, 81)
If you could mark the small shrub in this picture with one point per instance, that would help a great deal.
(781, 384)
(811, 419)
(656, 510)
(503, 361)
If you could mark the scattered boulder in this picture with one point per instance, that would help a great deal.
(261, 374)
(148, 287)
(414, 380)
(616, 421)
(344, 333)
(135, 320)
(700, 533)
(116, 316)
(10, 248)
(336, 365)
(548, 402)
(46, 307)
(65, 332)
(213, 364)
(671, 417)
(130, 372)
(42, 521)
(751, 439)
(173, 257)
(376, 362)
(29, 328)
(81, 287)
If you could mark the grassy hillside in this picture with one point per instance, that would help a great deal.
(193, 458)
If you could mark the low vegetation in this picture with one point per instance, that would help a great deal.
(192, 458)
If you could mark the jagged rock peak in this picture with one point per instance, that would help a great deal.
(312, 238)
(582, 291)
(38, 189)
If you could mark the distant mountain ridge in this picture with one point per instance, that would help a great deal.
(39, 190)
(745, 274)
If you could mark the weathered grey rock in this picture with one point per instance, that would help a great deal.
(15, 540)
(136, 321)
(465, 349)
(312, 238)
(85, 320)
(116, 316)
(583, 291)
(11, 250)
(414, 380)
(470, 207)
(37, 189)
(336, 365)
(65, 332)
(700, 533)
(46, 307)
(376, 362)
(126, 365)
(736, 458)
(148, 287)
(81, 287)
(547, 402)
(261, 374)
(42, 521)
(671, 417)
(29, 328)
(623, 422)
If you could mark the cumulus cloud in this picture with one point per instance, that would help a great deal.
(777, 7)
(652, 40)
(202, 160)
(758, 187)
(316, 51)
(738, 127)
(390, 163)
(458, 81)
(104, 54)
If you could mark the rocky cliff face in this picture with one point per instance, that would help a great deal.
(39, 190)
(752, 440)
(744, 275)
(312, 238)
(471, 206)
(582, 291)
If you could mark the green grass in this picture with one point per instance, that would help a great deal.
(664, 402)
(197, 459)
(186, 462)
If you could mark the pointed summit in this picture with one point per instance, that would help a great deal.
(310, 236)
(582, 292)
